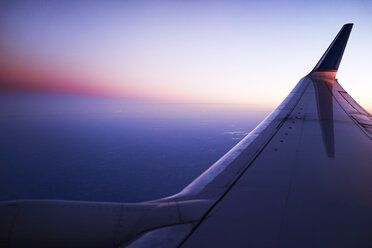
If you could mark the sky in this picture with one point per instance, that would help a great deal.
(226, 52)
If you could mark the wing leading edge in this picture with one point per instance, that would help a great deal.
(300, 179)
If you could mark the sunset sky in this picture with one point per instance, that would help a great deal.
(246, 52)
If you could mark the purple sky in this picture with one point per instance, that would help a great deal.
(250, 52)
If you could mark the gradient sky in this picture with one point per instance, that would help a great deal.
(250, 52)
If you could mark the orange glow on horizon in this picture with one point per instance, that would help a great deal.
(24, 75)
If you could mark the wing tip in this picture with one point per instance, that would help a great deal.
(331, 59)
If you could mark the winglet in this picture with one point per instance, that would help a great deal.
(330, 61)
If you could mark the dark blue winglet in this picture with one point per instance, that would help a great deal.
(331, 59)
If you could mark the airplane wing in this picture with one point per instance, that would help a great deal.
(302, 178)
